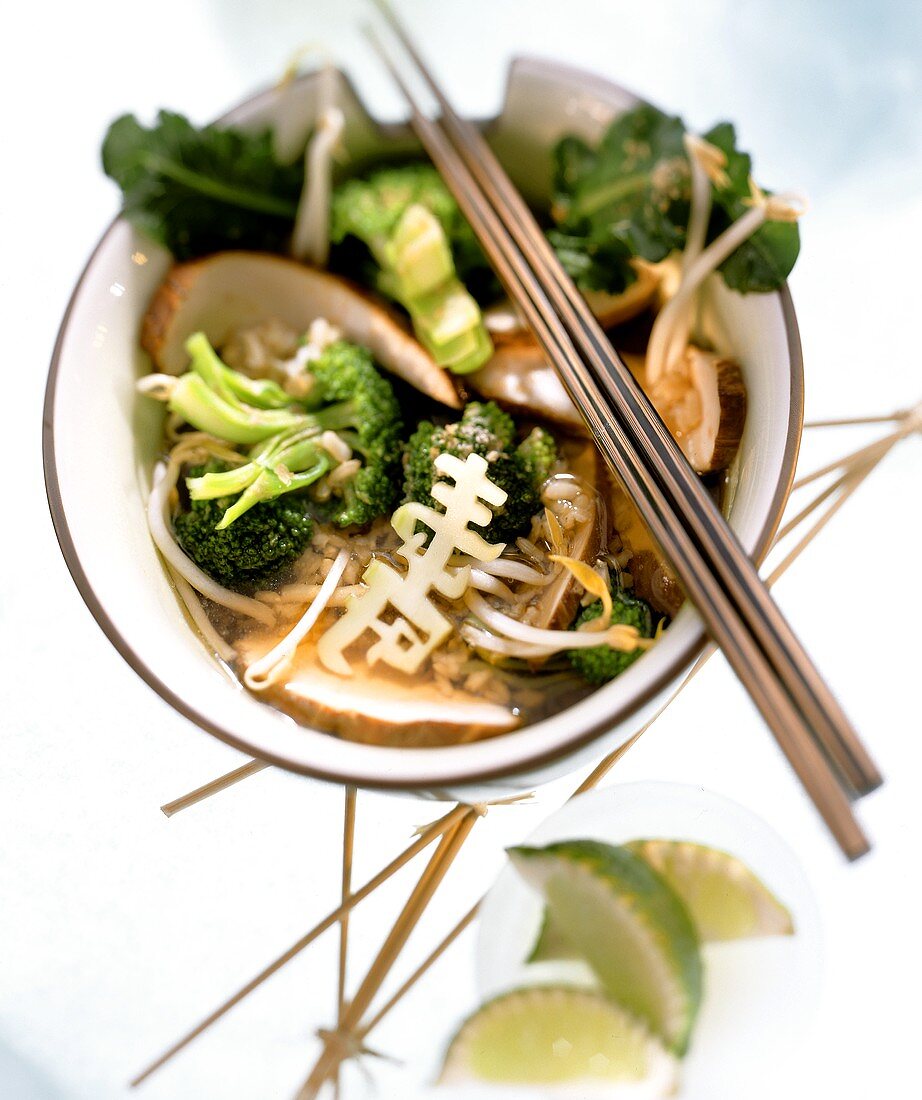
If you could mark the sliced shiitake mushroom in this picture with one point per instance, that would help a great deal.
(233, 290)
(651, 577)
(702, 402)
(378, 709)
(556, 606)
(519, 377)
(505, 324)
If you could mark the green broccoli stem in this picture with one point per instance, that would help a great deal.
(271, 484)
(230, 384)
(196, 402)
(335, 418)
(286, 463)
(226, 483)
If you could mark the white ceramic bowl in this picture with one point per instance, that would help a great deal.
(100, 441)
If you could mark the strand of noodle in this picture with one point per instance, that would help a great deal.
(344, 471)
(262, 673)
(196, 446)
(163, 539)
(529, 549)
(619, 636)
(194, 606)
(171, 429)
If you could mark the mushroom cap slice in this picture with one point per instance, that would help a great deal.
(232, 290)
(702, 401)
(519, 377)
(505, 323)
(377, 707)
(559, 601)
(652, 577)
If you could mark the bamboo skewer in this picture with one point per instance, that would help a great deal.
(222, 783)
(337, 1046)
(423, 967)
(349, 798)
(438, 828)
(856, 421)
(868, 452)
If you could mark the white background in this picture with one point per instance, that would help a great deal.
(119, 928)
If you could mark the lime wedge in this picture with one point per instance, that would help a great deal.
(556, 1035)
(725, 899)
(628, 924)
(551, 945)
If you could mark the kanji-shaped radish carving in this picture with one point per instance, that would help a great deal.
(414, 626)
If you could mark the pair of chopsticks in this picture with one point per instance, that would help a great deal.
(719, 578)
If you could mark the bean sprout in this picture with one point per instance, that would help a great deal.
(515, 571)
(504, 647)
(263, 673)
(485, 583)
(165, 480)
(193, 604)
(785, 208)
(311, 238)
(619, 636)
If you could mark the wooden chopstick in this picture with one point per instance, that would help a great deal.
(693, 504)
(728, 628)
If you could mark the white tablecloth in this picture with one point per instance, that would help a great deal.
(117, 927)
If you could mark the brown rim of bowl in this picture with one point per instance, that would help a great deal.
(525, 762)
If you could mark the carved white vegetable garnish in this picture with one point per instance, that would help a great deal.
(417, 627)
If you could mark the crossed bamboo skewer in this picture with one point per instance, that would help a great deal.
(347, 1039)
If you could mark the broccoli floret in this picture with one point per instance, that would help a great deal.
(370, 207)
(486, 430)
(425, 252)
(250, 553)
(539, 453)
(350, 397)
(599, 664)
(490, 425)
(347, 396)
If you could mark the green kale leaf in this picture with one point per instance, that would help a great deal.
(200, 190)
(764, 261)
(628, 198)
